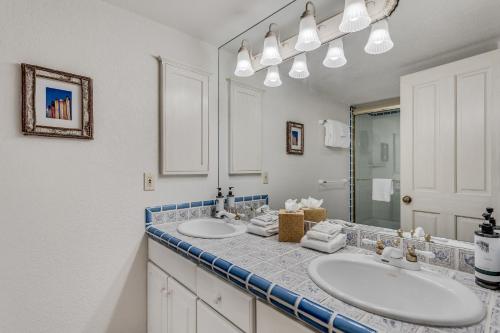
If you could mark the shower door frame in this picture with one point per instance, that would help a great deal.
(386, 105)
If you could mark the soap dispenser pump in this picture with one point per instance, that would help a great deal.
(219, 201)
(487, 253)
(230, 198)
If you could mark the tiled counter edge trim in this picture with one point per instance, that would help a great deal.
(305, 310)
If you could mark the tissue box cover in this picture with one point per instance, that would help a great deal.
(314, 214)
(291, 226)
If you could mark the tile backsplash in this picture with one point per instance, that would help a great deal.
(450, 254)
(196, 209)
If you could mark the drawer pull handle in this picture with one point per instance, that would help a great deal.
(218, 299)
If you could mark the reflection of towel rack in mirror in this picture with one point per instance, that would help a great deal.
(336, 181)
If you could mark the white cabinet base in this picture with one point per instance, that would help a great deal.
(209, 321)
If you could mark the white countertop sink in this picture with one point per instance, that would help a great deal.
(210, 228)
(421, 297)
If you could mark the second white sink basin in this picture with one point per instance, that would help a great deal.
(421, 297)
(210, 228)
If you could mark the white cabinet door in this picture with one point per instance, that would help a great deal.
(181, 309)
(184, 120)
(245, 129)
(209, 321)
(449, 145)
(271, 321)
(157, 300)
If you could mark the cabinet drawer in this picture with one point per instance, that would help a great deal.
(234, 304)
(173, 263)
(270, 320)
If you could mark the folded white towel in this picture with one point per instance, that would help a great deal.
(263, 231)
(328, 247)
(266, 218)
(261, 223)
(327, 227)
(321, 236)
(382, 189)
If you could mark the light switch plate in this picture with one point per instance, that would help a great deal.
(149, 181)
(265, 177)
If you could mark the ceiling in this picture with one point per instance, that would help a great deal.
(426, 33)
(213, 21)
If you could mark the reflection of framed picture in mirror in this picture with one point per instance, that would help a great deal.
(294, 138)
(56, 103)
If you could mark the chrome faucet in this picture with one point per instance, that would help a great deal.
(394, 256)
(225, 215)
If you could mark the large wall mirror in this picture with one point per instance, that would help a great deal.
(383, 136)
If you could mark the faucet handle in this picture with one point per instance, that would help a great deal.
(412, 253)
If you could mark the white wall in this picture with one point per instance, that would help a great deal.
(72, 245)
(290, 176)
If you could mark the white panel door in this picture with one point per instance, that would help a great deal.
(181, 309)
(449, 141)
(157, 300)
(209, 321)
(184, 121)
(245, 129)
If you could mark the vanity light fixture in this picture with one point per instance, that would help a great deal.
(272, 77)
(299, 68)
(308, 38)
(335, 56)
(244, 66)
(271, 50)
(380, 39)
(355, 16)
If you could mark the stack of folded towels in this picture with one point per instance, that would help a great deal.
(325, 237)
(264, 225)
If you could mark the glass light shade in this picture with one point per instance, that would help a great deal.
(335, 56)
(355, 17)
(272, 77)
(270, 52)
(308, 38)
(380, 40)
(299, 68)
(244, 66)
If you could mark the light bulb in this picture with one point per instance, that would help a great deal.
(244, 66)
(270, 52)
(380, 39)
(335, 56)
(299, 68)
(272, 77)
(308, 38)
(355, 16)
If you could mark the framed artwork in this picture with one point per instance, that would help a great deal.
(294, 138)
(56, 103)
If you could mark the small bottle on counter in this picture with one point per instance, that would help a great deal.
(487, 253)
(219, 201)
(230, 199)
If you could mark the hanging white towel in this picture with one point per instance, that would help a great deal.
(382, 189)
(336, 134)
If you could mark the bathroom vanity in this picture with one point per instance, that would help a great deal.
(252, 284)
(185, 297)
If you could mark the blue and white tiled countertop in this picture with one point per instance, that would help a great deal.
(285, 265)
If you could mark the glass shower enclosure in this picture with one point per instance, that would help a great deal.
(376, 168)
